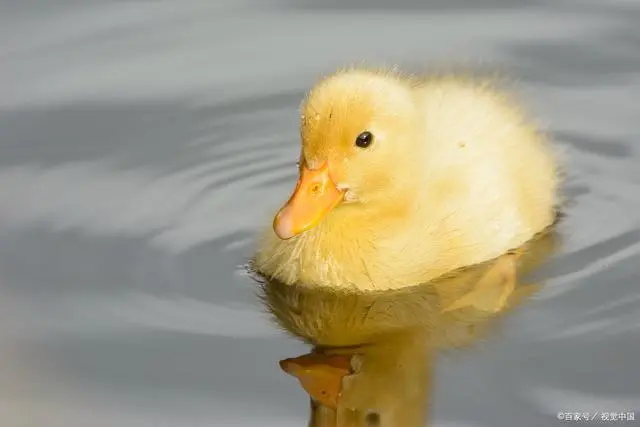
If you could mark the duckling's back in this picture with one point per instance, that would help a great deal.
(490, 178)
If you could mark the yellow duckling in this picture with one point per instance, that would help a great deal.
(403, 179)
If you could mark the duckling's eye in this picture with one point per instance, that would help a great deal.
(364, 139)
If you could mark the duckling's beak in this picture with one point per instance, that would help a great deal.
(314, 197)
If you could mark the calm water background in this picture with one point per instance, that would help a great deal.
(143, 143)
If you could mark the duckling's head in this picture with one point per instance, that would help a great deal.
(359, 136)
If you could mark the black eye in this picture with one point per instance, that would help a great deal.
(364, 139)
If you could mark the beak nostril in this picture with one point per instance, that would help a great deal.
(313, 198)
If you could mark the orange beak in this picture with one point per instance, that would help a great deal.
(314, 197)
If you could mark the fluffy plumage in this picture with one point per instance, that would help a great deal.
(456, 175)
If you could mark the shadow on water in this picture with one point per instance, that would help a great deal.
(373, 354)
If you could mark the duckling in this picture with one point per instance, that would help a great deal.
(403, 179)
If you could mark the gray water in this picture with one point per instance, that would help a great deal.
(142, 144)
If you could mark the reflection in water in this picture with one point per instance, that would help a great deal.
(372, 353)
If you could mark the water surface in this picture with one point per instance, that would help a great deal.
(142, 144)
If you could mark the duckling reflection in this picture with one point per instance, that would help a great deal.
(372, 352)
